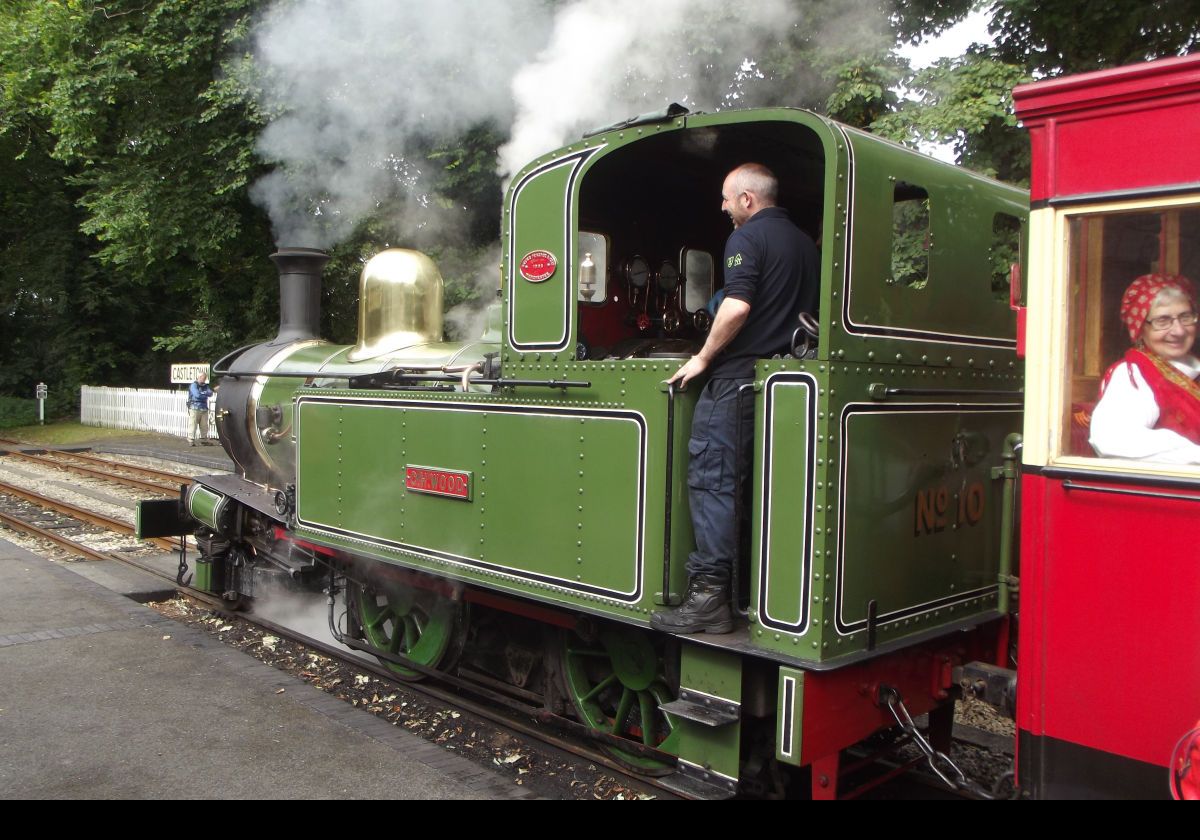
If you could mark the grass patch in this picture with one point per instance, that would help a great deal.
(68, 432)
(15, 411)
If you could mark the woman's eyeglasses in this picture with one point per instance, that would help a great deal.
(1164, 322)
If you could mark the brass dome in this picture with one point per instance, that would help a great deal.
(399, 303)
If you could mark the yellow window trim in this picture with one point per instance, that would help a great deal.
(1047, 377)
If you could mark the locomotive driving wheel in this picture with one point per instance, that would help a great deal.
(616, 680)
(418, 624)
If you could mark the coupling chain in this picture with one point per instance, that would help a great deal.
(939, 762)
(181, 576)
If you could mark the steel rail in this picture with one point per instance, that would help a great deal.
(91, 472)
(149, 472)
(18, 524)
(89, 516)
(25, 527)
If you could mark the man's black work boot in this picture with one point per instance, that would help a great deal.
(705, 608)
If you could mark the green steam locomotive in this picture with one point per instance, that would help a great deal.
(516, 505)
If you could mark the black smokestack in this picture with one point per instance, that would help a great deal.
(299, 293)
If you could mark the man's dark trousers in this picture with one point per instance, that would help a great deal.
(718, 455)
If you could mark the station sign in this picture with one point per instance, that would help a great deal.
(185, 374)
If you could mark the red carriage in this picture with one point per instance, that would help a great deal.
(1109, 660)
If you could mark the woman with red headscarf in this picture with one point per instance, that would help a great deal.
(1150, 400)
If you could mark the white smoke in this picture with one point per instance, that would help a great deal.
(359, 85)
(609, 59)
(469, 320)
(303, 612)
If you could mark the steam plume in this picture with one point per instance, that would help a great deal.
(362, 87)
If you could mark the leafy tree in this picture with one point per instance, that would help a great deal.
(151, 153)
(915, 20)
(1053, 37)
(967, 100)
(39, 248)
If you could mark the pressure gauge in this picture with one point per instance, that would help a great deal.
(668, 277)
(637, 272)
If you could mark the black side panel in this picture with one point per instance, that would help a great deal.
(165, 518)
(1054, 769)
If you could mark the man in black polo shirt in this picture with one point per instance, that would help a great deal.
(772, 273)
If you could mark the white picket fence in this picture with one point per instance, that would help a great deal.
(142, 409)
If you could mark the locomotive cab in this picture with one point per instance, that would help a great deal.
(898, 415)
(649, 213)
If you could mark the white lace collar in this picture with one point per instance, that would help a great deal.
(1188, 366)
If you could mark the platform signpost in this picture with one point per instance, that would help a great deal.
(185, 374)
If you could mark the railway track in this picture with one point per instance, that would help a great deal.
(89, 516)
(51, 535)
(159, 482)
(446, 694)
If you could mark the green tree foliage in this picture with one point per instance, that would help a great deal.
(17, 412)
(41, 251)
(136, 156)
(967, 100)
(910, 241)
(1055, 37)
(915, 20)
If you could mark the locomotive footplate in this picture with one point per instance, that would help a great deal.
(739, 641)
(703, 708)
(254, 496)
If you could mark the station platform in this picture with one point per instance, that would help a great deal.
(104, 698)
(208, 455)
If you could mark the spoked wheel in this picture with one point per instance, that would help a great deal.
(421, 625)
(615, 679)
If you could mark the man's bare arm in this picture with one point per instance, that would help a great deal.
(731, 317)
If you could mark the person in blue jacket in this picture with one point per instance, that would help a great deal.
(198, 396)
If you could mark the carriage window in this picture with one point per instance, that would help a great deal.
(595, 244)
(698, 275)
(1107, 252)
(911, 238)
(1005, 251)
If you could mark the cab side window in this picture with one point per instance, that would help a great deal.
(699, 273)
(1107, 252)
(593, 286)
(911, 237)
(1004, 252)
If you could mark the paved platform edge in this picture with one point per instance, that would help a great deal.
(413, 747)
(183, 454)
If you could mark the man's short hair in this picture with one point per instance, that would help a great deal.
(758, 179)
